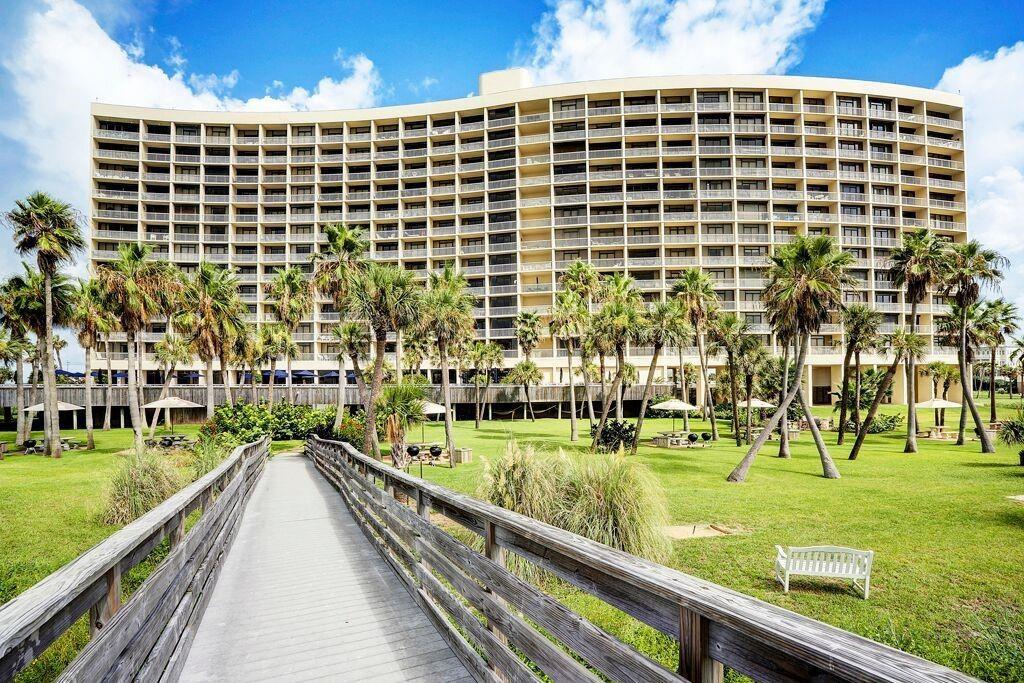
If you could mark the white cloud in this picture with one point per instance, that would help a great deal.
(64, 60)
(590, 39)
(175, 59)
(993, 90)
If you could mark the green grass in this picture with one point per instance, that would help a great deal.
(947, 583)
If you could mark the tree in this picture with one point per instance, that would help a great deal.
(448, 319)
(136, 287)
(1017, 356)
(292, 301)
(664, 320)
(568, 316)
(251, 351)
(484, 357)
(861, 324)
(729, 331)
(50, 230)
(211, 311)
(582, 279)
(916, 266)
(751, 362)
(354, 341)
(695, 290)
(998, 320)
(621, 321)
(388, 299)
(967, 269)
(948, 334)
(805, 282)
(92, 318)
(524, 373)
(170, 352)
(934, 371)
(901, 344)
(12, 319)
(400, 406)
(527, 327)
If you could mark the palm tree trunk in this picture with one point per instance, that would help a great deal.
(620, 356)
(209, 388)
(529, 403)
(873, 409)
(858, 389)
(90, 441)
(360, 382)
(110, 389)
(398, 356)
(784, 420)
(225, 378)
(963, 409)
(685, 385)
(134, 408)
(935, 393)
(739, 474)
(19, 383)
(648, 389)
(271, 384)
(252, 385)
(487, 388)
(477, 400)
(750, 390)
(828, 467)
(709, 399)
(604, 387)
(986, 442)
(574, 430)
(33, 380)
(288, 379)
(844, 395)
(50, 415)
(370, 444)
(164, 390)
(442, 352)
(585, 374)
(339, 412)
(992, 384)
(911, 379)
(734, 395)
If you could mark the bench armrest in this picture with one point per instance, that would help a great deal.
(781, 551)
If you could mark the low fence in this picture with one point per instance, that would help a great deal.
(149, 635)
(458, 586)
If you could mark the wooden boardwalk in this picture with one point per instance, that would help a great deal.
(304, 596)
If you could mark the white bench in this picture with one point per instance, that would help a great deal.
(825, 560)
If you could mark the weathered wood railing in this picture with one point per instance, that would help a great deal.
(455, 584)
(149, 635)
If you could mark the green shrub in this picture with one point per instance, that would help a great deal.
(248, 422)
(884, 422)
(617, 434)
(138, 485)
(210, 451)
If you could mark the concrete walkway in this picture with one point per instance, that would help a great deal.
(304, 596)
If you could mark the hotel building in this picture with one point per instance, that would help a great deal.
(643, 176)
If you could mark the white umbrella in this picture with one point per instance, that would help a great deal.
(756, 403)
(61, 407)
(673, 405)
(171, 402)
(936, 404)
(430, 408)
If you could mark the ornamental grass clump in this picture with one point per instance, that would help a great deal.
(140, 483)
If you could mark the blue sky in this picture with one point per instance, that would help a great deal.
(58, 55)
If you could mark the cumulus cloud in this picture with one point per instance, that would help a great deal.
(590, 39)
(64, 60)
(993, 89)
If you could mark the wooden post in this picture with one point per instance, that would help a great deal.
(494, 552)
(102, 611)
(695, 663)
(178, 533)
(422, 505)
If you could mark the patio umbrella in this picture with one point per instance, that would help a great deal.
(61, 407)
(756, 403)
(937, 404)
(674, 405)
(430, 408)
(171, 402)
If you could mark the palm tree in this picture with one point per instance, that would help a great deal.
(527, 327)
(170, 352)
(901, 344)
(934, 372)
(621, 321)
(805, 282)
(251, 352)
(695, 290)
(136, 287)
(665, 320)
(12, 319)
(354, 340)
(50, 229)
(861, 324)
(448, 319)
(1017, 357)
(751, 362)
(484, 357)
(582, 279)
(948, 334)
(524, 373)
(568, 316)
(998, 319)
(292, 300)
(968, 268)
(388, 299)
(950, 375)
(400, 406)
(211, 311)
(729, 331)
(333, 267)
(91, 316)
(916, 265)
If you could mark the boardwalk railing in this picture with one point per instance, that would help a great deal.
(485, 611)
(149, 635)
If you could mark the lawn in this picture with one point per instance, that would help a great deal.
(949, 546)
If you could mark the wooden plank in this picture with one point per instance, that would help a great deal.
(695, 662)
(103, 610)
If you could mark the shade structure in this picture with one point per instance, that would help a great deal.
(937, 403)
(303, 373)
(172, 402)
(61, 407)
(331, 374)
(674, 405)
(431, 408)
(756, 403)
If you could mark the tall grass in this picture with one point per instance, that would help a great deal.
(603, 497)
(140, 483)
(208, 452)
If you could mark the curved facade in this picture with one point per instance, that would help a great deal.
(645, 176)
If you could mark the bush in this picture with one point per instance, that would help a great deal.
(603, 497)
(138, 485)
(885, 423)
(617, 434)
(248, 422)
(210, 451)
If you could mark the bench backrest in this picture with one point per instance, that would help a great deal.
(829, 559)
